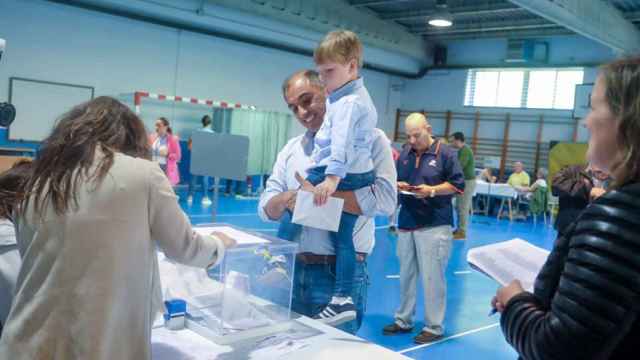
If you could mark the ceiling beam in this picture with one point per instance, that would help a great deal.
(489, 29)
(456, 12)
(595, 19)
(375, 3)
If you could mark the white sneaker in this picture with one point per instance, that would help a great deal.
(206, 201)
(189, 199)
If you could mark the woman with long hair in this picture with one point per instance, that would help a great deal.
(165, 149)
(585, 303)
(96, 211)
(11, 192)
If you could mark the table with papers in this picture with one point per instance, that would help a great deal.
(505, 192)
(307, 339)
(287, 337)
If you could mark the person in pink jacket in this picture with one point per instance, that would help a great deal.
(165, 149)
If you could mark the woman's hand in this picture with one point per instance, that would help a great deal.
(226, 240)
(505, 294)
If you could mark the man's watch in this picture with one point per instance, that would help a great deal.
(433, 192)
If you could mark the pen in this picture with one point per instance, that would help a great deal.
(493, 312)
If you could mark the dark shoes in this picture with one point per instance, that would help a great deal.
(336, 314)
(394, 329)
(459, 235)
(426, 337)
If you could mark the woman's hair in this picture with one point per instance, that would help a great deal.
(12, 183)
(206, 120)
(165, 122)
(543, 173)
(622, 81)
(67, 155)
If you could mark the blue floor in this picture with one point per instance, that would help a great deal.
(468, 328)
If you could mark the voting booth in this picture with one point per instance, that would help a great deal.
(247, 295)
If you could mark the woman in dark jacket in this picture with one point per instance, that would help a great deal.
(586, 301)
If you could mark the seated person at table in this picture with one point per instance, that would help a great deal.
(487, 175)
(541, 182)
(519, 179)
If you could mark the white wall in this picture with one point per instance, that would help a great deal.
(53, 42)
(442, 90)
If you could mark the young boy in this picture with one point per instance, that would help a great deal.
(342, 155)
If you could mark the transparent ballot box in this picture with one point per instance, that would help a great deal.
(248, 294)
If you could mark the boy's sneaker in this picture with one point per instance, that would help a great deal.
(338, 311)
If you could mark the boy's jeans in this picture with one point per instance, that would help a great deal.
(343, 239)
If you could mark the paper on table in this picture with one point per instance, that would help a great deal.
(241, 237)
(509, 260)
(325, 217)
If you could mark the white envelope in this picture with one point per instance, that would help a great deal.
(325, 217)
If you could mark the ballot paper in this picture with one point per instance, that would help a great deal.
(325, 217)
(509, 260)
(241, 237)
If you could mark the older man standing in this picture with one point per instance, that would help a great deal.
(430, 171)
(315, 263)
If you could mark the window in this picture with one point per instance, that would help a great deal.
(523, 88)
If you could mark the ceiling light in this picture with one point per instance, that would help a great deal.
(442, 17)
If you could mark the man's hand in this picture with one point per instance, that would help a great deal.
(291, 203)
(325, 189)
(226, 240)
(422, 191)
(596, 192)
(403, 186)
(304, 183)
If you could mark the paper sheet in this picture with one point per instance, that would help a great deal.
(325, 217)
(241, 237)
(509, 260)
(403, 192)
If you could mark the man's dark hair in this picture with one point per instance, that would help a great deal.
(458, 136)
(206, 121)
(311, 76)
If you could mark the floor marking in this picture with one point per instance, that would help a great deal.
(449, 338)
(462, 272)
(382, 227)
(393, 276)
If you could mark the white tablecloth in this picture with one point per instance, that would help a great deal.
(497, 190)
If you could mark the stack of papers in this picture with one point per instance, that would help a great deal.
(509, 260)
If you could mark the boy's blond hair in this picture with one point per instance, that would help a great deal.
(340, 46)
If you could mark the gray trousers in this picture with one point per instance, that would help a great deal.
(463, 204)
(425, 252)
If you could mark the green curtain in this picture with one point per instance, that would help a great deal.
(268, 132)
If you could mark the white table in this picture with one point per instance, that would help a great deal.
(505, 192)
(317, 341)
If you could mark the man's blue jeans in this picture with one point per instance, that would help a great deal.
(313, 288)
(343, 239)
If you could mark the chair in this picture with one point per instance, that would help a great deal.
(539, 204)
